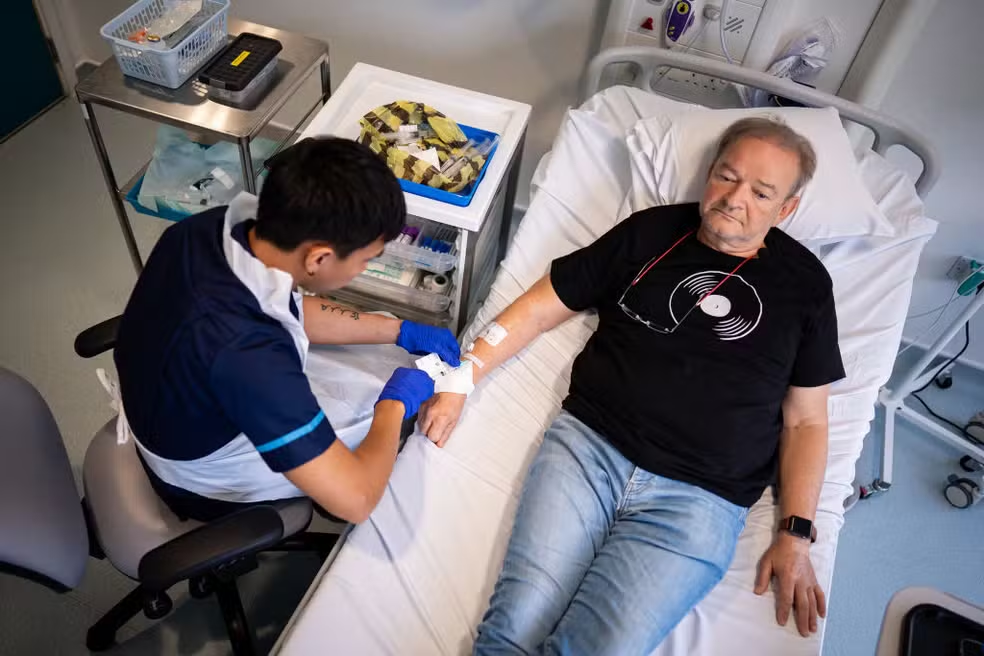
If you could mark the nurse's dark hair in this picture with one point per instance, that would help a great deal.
(774, 131)
(329, 190)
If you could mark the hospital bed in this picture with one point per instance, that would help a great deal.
(416, 578)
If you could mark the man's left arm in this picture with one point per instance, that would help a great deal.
(328, 322)
(802, 463)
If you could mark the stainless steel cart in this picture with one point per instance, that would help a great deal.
(187, 107)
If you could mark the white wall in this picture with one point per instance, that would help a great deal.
(533, 51)
(940, 91)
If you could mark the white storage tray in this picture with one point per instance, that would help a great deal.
(421, 258)
(391, 291)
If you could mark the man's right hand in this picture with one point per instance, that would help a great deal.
(439, 416)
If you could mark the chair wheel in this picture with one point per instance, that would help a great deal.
(99, 640)
(157, 605)
(960, 492)
(200, 587)
(969, 464)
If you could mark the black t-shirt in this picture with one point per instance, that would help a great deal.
(702, 404)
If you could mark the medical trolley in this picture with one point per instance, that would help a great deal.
(478, 230)
(189, 108)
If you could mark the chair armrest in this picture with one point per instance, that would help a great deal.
(97, 339)
(203, 549)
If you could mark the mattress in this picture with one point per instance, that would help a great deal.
(417, 576)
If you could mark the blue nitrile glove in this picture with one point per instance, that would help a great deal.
(411, 387)
(420, 339)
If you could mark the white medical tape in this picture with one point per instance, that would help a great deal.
(474, 358)
(433, 365)
(493, 334)
(457, 380)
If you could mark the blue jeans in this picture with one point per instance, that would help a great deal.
(604, 558)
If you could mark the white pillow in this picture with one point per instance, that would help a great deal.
(671, 155)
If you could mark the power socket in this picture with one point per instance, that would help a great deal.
(962, 267)
(695, 87)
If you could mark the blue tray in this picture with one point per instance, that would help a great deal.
(133, 197)
(461, 199)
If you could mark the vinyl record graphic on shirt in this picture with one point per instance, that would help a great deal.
(732, 311)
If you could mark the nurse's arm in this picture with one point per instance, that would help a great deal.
(349, 484)
(328, 322)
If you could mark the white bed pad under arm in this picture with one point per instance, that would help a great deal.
(416, 577)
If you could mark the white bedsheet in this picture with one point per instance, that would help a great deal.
(416, 578)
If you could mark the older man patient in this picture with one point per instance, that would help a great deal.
(705, 382)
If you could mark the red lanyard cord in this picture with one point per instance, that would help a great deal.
(667, 252)
(656, 261)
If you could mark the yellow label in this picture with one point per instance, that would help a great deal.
(241, 58)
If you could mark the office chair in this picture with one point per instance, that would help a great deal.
(122, 519)
(43, 534)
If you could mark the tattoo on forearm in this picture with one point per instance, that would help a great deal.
(341, 310)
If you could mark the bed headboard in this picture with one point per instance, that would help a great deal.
(888, 131)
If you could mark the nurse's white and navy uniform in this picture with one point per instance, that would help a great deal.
(210, 355)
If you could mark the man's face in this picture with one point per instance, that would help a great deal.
(334, 272)
(748, 191)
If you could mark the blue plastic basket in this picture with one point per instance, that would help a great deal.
(459, 199)
(170, 67)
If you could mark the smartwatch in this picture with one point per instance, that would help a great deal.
(799, 527)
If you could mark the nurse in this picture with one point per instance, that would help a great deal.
(212, 344)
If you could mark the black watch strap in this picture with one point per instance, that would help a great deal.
(799, 527)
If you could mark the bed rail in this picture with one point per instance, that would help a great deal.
(888, 131)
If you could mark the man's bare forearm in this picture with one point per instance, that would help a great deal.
(533, 313)
(802, 463)
(328, 322)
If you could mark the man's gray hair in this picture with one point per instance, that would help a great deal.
(776, 132)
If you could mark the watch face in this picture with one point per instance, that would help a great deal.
(800, 527)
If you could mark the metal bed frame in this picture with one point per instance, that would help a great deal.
(648, 63)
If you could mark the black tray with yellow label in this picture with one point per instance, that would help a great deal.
(242, 66)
